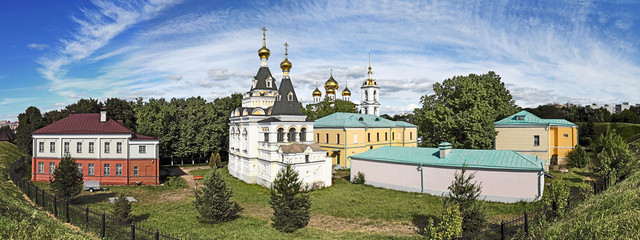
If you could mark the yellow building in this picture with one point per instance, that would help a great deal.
(346, 134)
(549, 139)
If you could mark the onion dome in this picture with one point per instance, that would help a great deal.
(331, 91)
(346, 91)
(286, 65)
(331, 84)
(317, 93)
(264, 51)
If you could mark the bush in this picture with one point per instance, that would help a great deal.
(122, 208)
(558, 192)
(214, 160)
(175, 182)
(613, 156)
(213, 200)
(464, 193)
(450, 225)
(359, 178)
(66, 180)
(290, 205)
(578, 157)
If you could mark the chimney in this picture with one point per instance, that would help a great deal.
(445, 149)
(103, 114)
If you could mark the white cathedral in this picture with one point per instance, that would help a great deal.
(370, 92)
(270, 131)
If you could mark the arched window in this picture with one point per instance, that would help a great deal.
(326, 138)
(303, 135)
(292, 135)
(375, 95)
(366, 96)
(280, 135)
(290, 96)
(317, 137)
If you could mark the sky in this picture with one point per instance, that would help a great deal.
(53, 53)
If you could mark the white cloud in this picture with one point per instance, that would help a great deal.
(175, 77)
(37, 46)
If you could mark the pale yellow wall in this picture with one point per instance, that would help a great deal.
(364, 142)
(552, 142)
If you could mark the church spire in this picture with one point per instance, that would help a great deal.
(264, 51)
(285, 65)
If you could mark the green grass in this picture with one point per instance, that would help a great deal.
(20, 220)
(626, 130)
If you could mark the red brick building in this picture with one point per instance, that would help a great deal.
(104, 149)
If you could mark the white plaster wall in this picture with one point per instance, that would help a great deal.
(134, 150)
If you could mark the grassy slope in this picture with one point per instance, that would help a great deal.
(626, 130)
(614, 214)
(20, 220)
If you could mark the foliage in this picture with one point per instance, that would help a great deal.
(587, 133)
(121, 109)
(121, 208)
(328, 107)
(214, 160)
(30, 121)
(449, 226)
(291, 206)
(613, 156)
(359, 178)
(558, 193)
(462, 111)
(407, 117)
(578, 157)
(213, 200)
(175, 182)
(66, 180)
(86, 106)
(464, 193)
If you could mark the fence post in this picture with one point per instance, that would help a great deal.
(503, 237)
(133, 231)
(526, 224)
(55, 206)
(66, 203)
(554, 208)
(28, 188)
(103, 225)
(36, 199)
(157, 234)
(86, 215)
(43, 200)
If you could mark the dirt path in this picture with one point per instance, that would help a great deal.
(188, 177)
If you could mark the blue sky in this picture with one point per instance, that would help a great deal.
(54, 53)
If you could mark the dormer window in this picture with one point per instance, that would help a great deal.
(269, 83)
(279, 97)
(520, 117)
(290, 96)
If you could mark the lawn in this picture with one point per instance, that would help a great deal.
(342, 211)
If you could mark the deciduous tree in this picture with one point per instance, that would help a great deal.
(328, 107)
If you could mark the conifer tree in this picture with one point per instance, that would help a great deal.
(290, 205)
(465, 194)
(214, 160)
(122, 208)
(213, 200)
(66, 180)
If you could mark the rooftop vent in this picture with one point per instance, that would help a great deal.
(445, 149)
(360, 119)
(103, 115)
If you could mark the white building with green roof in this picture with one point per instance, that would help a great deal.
(505, 176)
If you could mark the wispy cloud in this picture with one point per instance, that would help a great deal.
(37, 46)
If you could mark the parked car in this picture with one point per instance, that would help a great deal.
(91, 186)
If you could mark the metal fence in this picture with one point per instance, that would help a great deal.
(99, 223)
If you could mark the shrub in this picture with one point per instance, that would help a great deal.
(213, 200)
(464, 193)
(578, 157)
(290, 205)
(175, 182)
(214, 160)
(613, 156)
(558, 192)
(359, 178)
(450, 225)
(122, 208)
(66, 180)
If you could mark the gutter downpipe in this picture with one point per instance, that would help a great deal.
(421, 178)
(345, 148)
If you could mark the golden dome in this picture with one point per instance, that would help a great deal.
(264, 51)
(331, 91)
(317, 93)
(285, 65)
(331, 84)
(346, 92)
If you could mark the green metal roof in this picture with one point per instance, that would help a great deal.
(526, 118)
(491, 159)
(356, 120)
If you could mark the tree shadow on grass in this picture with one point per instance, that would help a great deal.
(421, 220)
(140, 218)
(94, 197)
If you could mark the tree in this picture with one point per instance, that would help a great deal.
(613, 156)
(464, 193)
(213, 200)
(450, 225)
(120, 109)
(66, 180)
(85, 106)
(328, 107)
(290, 205)
(214, 160)
(587, 132)
(462, 111)
(558, 194)
(30, 121)
(578, 157)
(121, 208)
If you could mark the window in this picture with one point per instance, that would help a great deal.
(410, 135)
(317, 137)
(118, 147)
(326, 138)
(280, 135)
(378, 137)
(106, 147)
(355, 138)
(292, 135)
(306, 158)
(266, 137)
(521, 117)
(91, 147)
(337, 138)
(565, 135)
(386, 137)
(66, 147)
(393, 136)
(40, 167)
(290, 96)
(92, 169)
(135, 171)
(107, 169)
(41, 147)
(80, 167)
(268, 83)
(118, 169)
(52, 147)
(79, 147)
(536, 140)
(303, 135)
(142, 149)
(338, 159)
(52, 167)
(375, 95)
(368, 137)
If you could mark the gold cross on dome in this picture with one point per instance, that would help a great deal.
(285, 48)
(264, 32)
